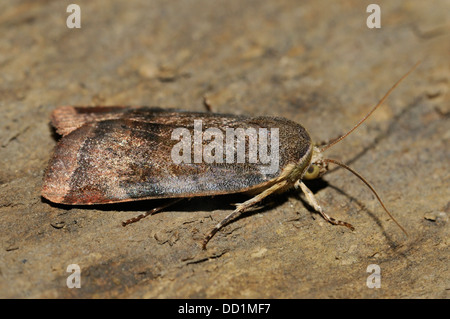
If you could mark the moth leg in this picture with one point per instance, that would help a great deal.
(241, 208)
(207, 103)
(313, 202)
(150, 212)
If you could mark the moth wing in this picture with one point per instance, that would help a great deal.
(66, 119)
(123, 159)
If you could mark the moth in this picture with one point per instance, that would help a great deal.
(118, 154)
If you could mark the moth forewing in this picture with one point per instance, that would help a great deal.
(128, 156)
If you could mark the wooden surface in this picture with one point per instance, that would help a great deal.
(314, 62)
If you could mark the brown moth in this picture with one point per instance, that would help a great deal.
(119, 154)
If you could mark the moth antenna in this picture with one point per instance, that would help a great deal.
(370, 113)
(327, 160)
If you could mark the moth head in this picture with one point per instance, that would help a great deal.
(318, 167)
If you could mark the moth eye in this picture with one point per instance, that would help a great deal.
(312, 172)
